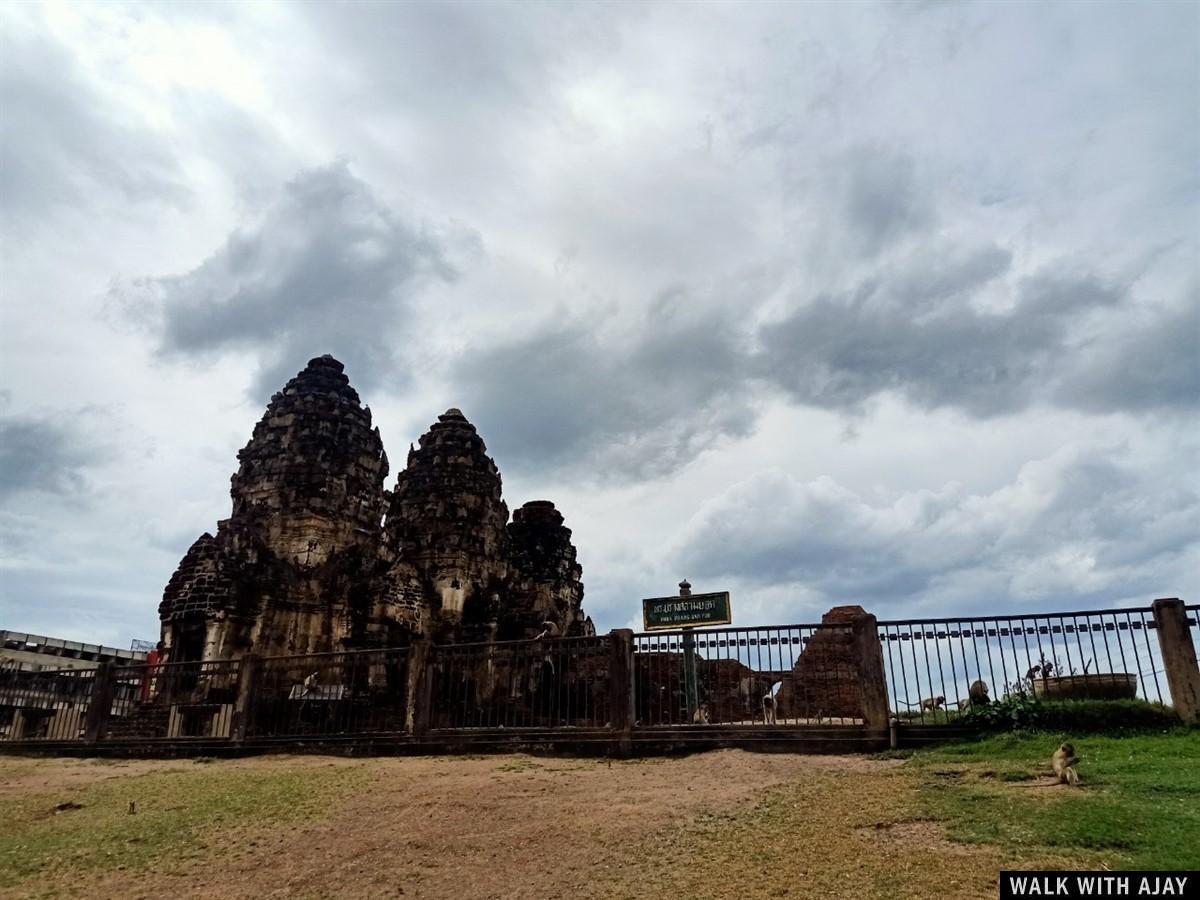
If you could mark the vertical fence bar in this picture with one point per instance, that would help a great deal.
(248, 676)
(869, 654)
(100, 707)
(622, 698)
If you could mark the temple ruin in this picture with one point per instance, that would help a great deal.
(318, 556)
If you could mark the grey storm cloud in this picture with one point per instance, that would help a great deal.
(645, 403)
(1083, 523)
(920, 336)
(624, 407)
(71, 144)
(1151, 364)
(881, 198)
(329, 269)
(44, 454)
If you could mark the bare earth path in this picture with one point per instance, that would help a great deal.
(725, 824)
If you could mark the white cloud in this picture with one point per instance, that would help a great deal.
(921, 277)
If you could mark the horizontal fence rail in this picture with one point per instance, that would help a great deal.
(558, 683)
(938, 668)
(49, 705)
(330, 694)
(786, 675)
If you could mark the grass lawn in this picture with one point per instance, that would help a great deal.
(177, 811)
(729, 824)
(1139, 800)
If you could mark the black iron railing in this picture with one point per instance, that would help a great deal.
(174, 700)
(782, 675)
(937, 668)
(924, 671)
(49, 705)
(554, 683)
(330, 694)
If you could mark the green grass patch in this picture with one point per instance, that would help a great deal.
(1139, 799)
(179, 812)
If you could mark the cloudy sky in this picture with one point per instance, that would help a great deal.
(891, 304)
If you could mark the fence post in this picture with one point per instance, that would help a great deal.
(871, 679)
(621, 703)
(100, 704)
(418, 689)
(1179, 656)
(243, 710)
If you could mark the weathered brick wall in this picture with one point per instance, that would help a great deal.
(825, 679)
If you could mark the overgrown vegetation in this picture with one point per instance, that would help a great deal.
(1023, 712)
(1139, 799)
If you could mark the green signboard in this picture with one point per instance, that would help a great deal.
(685, 612)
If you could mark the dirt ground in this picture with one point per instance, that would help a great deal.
(721, 824)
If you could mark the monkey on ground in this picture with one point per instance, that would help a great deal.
(769, 708)
(770, 704)
(701, 715)
(932, 703)
(1064, 762)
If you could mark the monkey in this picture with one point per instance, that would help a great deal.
(1032, 674)
(1064, 762)
(701, 715)
(978, 693)
(769, 708)
(932, 703)
(770, 703)
(549, 630)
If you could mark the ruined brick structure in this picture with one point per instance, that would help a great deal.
(307, 563)
(825, 677)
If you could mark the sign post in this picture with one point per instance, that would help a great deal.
(690, 689)
(685, 612)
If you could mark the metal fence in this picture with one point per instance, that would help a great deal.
(557, 683)
(791, 675)
(174, 700)
(49, 705)
(784, 675)
(330, 694)
(932, 664)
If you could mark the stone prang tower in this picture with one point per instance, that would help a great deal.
(306, 563)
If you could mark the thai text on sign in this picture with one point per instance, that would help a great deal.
(685, 612)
